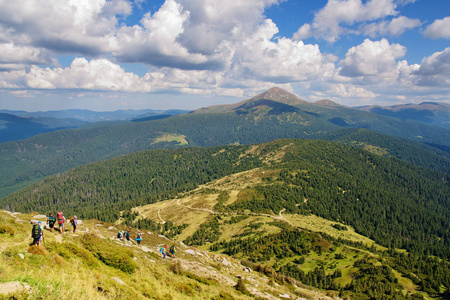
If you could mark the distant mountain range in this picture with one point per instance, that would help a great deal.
(271, 115)
(95, 116)
(13, 127)
(432, 113)
(18, 125)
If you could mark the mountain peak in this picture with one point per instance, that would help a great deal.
(278, 95)
(275, 99)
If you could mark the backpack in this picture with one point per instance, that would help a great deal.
(60, 215)
(36, 231)
(71, 220)
(172, 249)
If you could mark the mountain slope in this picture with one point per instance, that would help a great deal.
(256, 201)
(94, 264)
(343, 184)
(16, 128)
(256, 120)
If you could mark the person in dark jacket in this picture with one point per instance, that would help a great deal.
(138, 239)
(51, 220)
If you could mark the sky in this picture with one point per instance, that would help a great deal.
(185, 54)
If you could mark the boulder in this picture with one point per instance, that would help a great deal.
(13, 287)
(40, 217)
(118, 280)
(190, 251)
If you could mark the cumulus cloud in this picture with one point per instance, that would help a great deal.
(209, 47)
(434, 70)
(327, 23)
(394, 27)
(99, 74)
(191, 35)
(439, 29)
(371, 58)
(350, 91)
(13, 54)
(338, 17)
(155, 42)
(280, 60)
(64, 26)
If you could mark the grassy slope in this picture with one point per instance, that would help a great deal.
(56, 272)
(194, 208)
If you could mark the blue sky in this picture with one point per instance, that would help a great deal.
(186, 54)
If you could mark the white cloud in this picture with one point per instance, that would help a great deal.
(12, 79)
(64, 26)
(434, 70)
(371, 58)
(395, 27)
(327, 23)
(210, 47)
(191, 35)
(283, 60)
(303, 32)
(156, 41)
(13, 54)
(439, 29)
(98, 74)
(350, 91)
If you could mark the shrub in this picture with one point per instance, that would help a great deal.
(69, 250)
(176, 267)
(240, 286)
(37, 250)
(7, 229)
(109, 253)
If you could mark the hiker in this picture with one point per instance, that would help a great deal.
(163, 251)
(119, 235)
(36, 233)
(51, 220)
(61, 220)
(127, 235)
(74, 222)
(138, 239)
(172, 251)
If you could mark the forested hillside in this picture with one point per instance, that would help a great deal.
(257, 120)
(393, 202)
(14, 127)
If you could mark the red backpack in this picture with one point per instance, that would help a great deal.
(60, 217)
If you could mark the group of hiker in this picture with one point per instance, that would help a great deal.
(163, 250)
(37, 232)
(126, 235)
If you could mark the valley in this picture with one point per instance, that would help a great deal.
(330, 216)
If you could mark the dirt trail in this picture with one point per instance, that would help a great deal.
(203, 209)
(159, 211)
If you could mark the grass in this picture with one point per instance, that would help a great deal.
(317, 224)
(73, 266)
(172, 137)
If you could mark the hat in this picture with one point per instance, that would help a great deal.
(39, 222)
